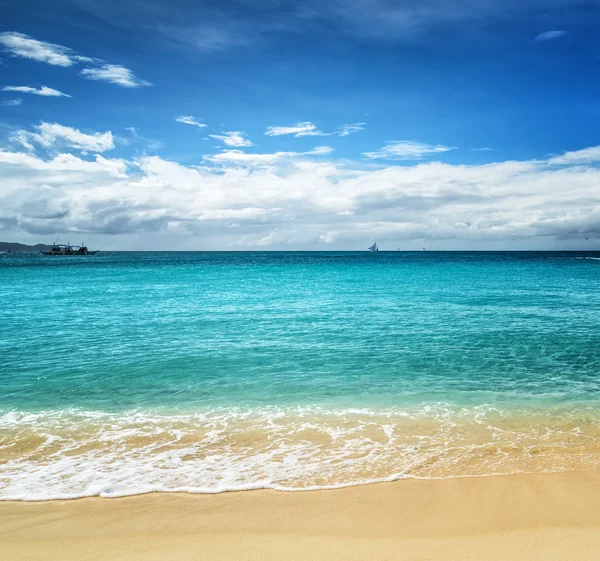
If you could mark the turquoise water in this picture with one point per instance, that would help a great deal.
(261, 368)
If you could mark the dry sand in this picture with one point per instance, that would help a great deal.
(545, 517)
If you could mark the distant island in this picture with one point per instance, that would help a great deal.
(5, 246)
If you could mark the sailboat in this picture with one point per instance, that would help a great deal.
(374, 247)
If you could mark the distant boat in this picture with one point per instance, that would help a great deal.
(68, 249)
(374, 247)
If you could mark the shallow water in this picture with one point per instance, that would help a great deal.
(130, 372)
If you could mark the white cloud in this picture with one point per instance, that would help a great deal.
(483, 149)
(306, 199)
(310, 129)
(232, 138)
(12, 102)
(349, 129)
(65, 162)
(24, 46)
(115, 74)
(189, 120)
(239, 157)
(53, 135)
(44, 91)
(406, 150)
(549, 35)
(299, 129)
(585, 156)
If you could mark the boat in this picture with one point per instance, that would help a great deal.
(374, 247)
(68, 249)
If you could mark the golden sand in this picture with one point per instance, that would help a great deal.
(545, 517)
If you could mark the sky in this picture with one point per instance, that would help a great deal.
(317, 125)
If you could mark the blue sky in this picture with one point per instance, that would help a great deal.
(307, 125)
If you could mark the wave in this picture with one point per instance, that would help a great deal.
(72, 454)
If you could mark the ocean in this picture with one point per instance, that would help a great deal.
(205, 372)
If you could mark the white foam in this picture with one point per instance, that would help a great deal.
(72, 454)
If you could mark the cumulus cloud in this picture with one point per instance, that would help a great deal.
(65, 162)
(189, 120)
(25, 46)
(232, 138)
(406, 150)
(43, 91)
(585, 156)
(299, 129)
(115, 74)
(54, 135)
(306, 199)
(549, 35)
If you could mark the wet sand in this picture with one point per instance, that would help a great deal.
(543, 517)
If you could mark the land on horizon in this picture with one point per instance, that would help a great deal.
(25, 248)
(15, 246)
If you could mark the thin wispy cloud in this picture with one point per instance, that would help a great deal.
(350, 129)
(43, 91)
(54, 135)
(232, 138)
(211, 26)
(115, 74)
(190, 120)
(204, 36)
(305, 128)
(244, 158)
(12, 102)
(406, 150)
(24, 46)
(483, 149)
(549, 35)
(149, 143)
(21, 45)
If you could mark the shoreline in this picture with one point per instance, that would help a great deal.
(550, 516)
(61, 456)
(294, 490)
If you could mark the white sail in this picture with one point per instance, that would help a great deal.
(374, 247)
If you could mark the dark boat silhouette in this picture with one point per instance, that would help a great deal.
(68, 249)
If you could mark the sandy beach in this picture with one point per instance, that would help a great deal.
(541, 517)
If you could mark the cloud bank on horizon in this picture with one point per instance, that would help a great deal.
(292, 145)
(241, 200)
